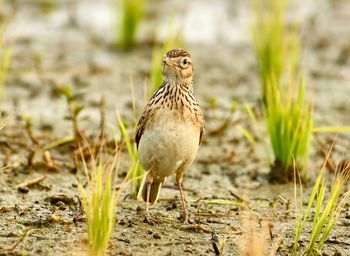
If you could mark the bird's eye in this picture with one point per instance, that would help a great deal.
(185, 61)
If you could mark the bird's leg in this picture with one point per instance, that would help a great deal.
(148, 217)
(148, 190)
(182, 198)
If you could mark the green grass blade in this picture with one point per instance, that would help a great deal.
(330, 129)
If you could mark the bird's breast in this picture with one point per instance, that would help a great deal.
(170, 142)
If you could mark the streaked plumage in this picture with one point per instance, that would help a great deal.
(170, 129)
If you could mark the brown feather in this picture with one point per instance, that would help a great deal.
(147, 112)
(177, 53)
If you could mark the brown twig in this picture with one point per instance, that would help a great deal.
(23, 236)
(48, 162)
(77, 132)
(209, 214)
(30, 158)
(102, 108)
(190, 242)
(32, 182)
(216, 243)
(59, 142)
(239, 198)
(195, 227)
(29, 130)
(6, 160)
(329, 161)
(185, 189)
(79, 213)
(270, 227)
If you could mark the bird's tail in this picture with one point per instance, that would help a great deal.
(155, 189)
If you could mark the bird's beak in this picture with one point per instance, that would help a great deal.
(168, 62)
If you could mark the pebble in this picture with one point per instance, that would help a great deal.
(157, 236)
(347, 216)
(23, 189)
(121, 222)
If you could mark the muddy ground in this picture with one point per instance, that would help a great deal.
(73, 45)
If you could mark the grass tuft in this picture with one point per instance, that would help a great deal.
(99, 199)
(74, 107)
(289, 123)
(276, 46)
(135, 170)
(288, 115)
(326, 210)
(130, 14)
(5, 57)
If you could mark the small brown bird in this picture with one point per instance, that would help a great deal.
(170, 130)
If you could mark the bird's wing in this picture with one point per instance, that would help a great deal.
(141, 126)
(201, 128)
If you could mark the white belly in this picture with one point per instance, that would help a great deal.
(168, 147)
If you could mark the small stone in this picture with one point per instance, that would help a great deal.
(121, 222)
(205, 172)
(347, 216)
(337, 253)
(172, 206)
(23, 189)
(234, 208)
(157, 236)
(150, 232)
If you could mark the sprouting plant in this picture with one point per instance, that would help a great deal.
(289, 124)
(276, 46)
(5, 57)
(47, 6)
(326, 209)
(99, 198)
(74, 108)
(3, 120)
(288, 115)
(135, 170)
(172, 40)
(129, 13)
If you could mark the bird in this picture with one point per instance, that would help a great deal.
(169, 131)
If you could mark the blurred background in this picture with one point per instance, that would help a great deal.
(65, 65)
(79, 43)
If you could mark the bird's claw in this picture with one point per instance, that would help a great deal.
(150, 220)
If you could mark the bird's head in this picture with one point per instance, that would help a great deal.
(177, 66)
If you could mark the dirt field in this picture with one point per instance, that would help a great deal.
(73, 45)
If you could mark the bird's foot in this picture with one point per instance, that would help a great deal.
(185, 219)
(150, 220)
